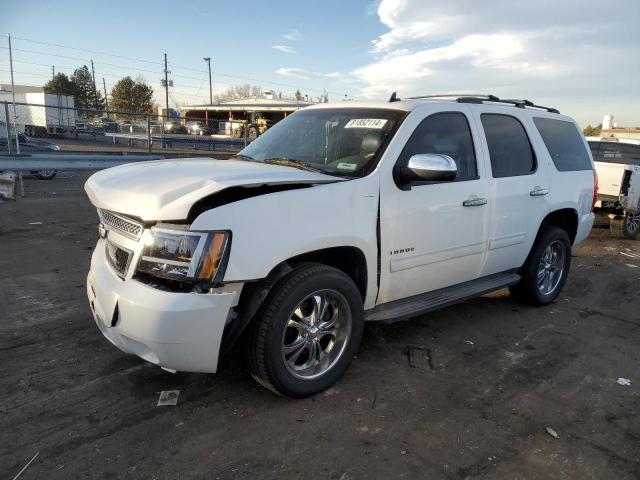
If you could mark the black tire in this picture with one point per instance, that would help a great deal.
(627, 227)
(527, 290)
(252, 134)
(267, 337)
(45, 174)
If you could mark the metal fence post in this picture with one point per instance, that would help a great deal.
(149, 132)
(6, 119)
(246, 132)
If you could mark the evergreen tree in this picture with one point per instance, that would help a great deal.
(87, 96)
(130, 95)
(60, 85)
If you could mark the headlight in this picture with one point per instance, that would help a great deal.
(184, 255)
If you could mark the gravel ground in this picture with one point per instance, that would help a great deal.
(493, 376)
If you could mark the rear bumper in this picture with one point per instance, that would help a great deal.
(178, 331)
(584, 227)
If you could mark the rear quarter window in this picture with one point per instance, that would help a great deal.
(564, 144)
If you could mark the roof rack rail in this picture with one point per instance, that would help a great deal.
(527, 103)
(455, 95)
(481, 98)
(516, 103)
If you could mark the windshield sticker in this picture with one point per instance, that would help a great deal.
(348, 166)
(376, 123)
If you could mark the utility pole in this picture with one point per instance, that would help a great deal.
(93, 75)
(106, 102)
(208, 60)
(166, 85)
(13, 94)
(53, 71)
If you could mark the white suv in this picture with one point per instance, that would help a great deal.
(337, 215)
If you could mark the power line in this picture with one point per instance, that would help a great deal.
(50, 44)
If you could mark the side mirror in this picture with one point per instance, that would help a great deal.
(433, 167)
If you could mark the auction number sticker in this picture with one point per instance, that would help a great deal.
(376, 123)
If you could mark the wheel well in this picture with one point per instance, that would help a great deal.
(349, 260)
(566, 219)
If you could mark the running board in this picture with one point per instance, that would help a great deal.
(427, 302)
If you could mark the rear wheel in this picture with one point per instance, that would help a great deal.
(545, 271)
(307, 332)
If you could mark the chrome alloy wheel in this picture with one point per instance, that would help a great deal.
(316, 334)
(633, 222)
(551, 267)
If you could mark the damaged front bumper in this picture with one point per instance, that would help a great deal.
(177, 331)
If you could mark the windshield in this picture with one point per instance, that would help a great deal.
(341, 141)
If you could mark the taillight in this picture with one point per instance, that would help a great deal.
(595, 189)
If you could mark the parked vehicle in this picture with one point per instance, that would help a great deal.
(175, 127)
(46, 115)
(105, 124)
(27, 145)
(617, 162)
(200, 128)
(337, 214)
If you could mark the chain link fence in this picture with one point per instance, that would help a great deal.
(27, 128)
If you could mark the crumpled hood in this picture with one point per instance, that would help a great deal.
(166, 189)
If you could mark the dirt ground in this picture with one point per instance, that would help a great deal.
(493, 377)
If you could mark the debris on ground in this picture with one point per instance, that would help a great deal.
(35, 223)
(631, 265)
(7, 186)
(168, 397)
(628, 254)
(469, 342)
(26, 466)
(419, 357)
(552, 432)
(625, 382)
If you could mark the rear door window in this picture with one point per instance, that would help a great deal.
(510, 151)
(564, 144)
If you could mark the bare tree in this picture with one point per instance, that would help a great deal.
(239, 92)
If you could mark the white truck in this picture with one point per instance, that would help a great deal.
(338, 214)
(42, 114)
(617, 162)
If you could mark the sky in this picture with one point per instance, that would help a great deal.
(576, 55)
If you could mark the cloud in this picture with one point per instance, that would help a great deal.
(304, 74)
(294, 72)
(566, 52)
(292, 35)
(284, 48)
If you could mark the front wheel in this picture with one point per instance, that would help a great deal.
(307, 332)
(545, 271)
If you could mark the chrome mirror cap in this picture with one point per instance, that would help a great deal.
(431, 167)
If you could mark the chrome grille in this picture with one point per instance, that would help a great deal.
(123, 225)
(119, 258)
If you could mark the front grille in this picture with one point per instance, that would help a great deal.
(119, 258)
(124, 225)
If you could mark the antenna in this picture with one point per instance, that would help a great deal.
(394, 98)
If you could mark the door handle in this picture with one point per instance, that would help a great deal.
(539, 191)
(474, 202)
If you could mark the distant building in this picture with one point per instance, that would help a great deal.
(272, 109)
(611, 129)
